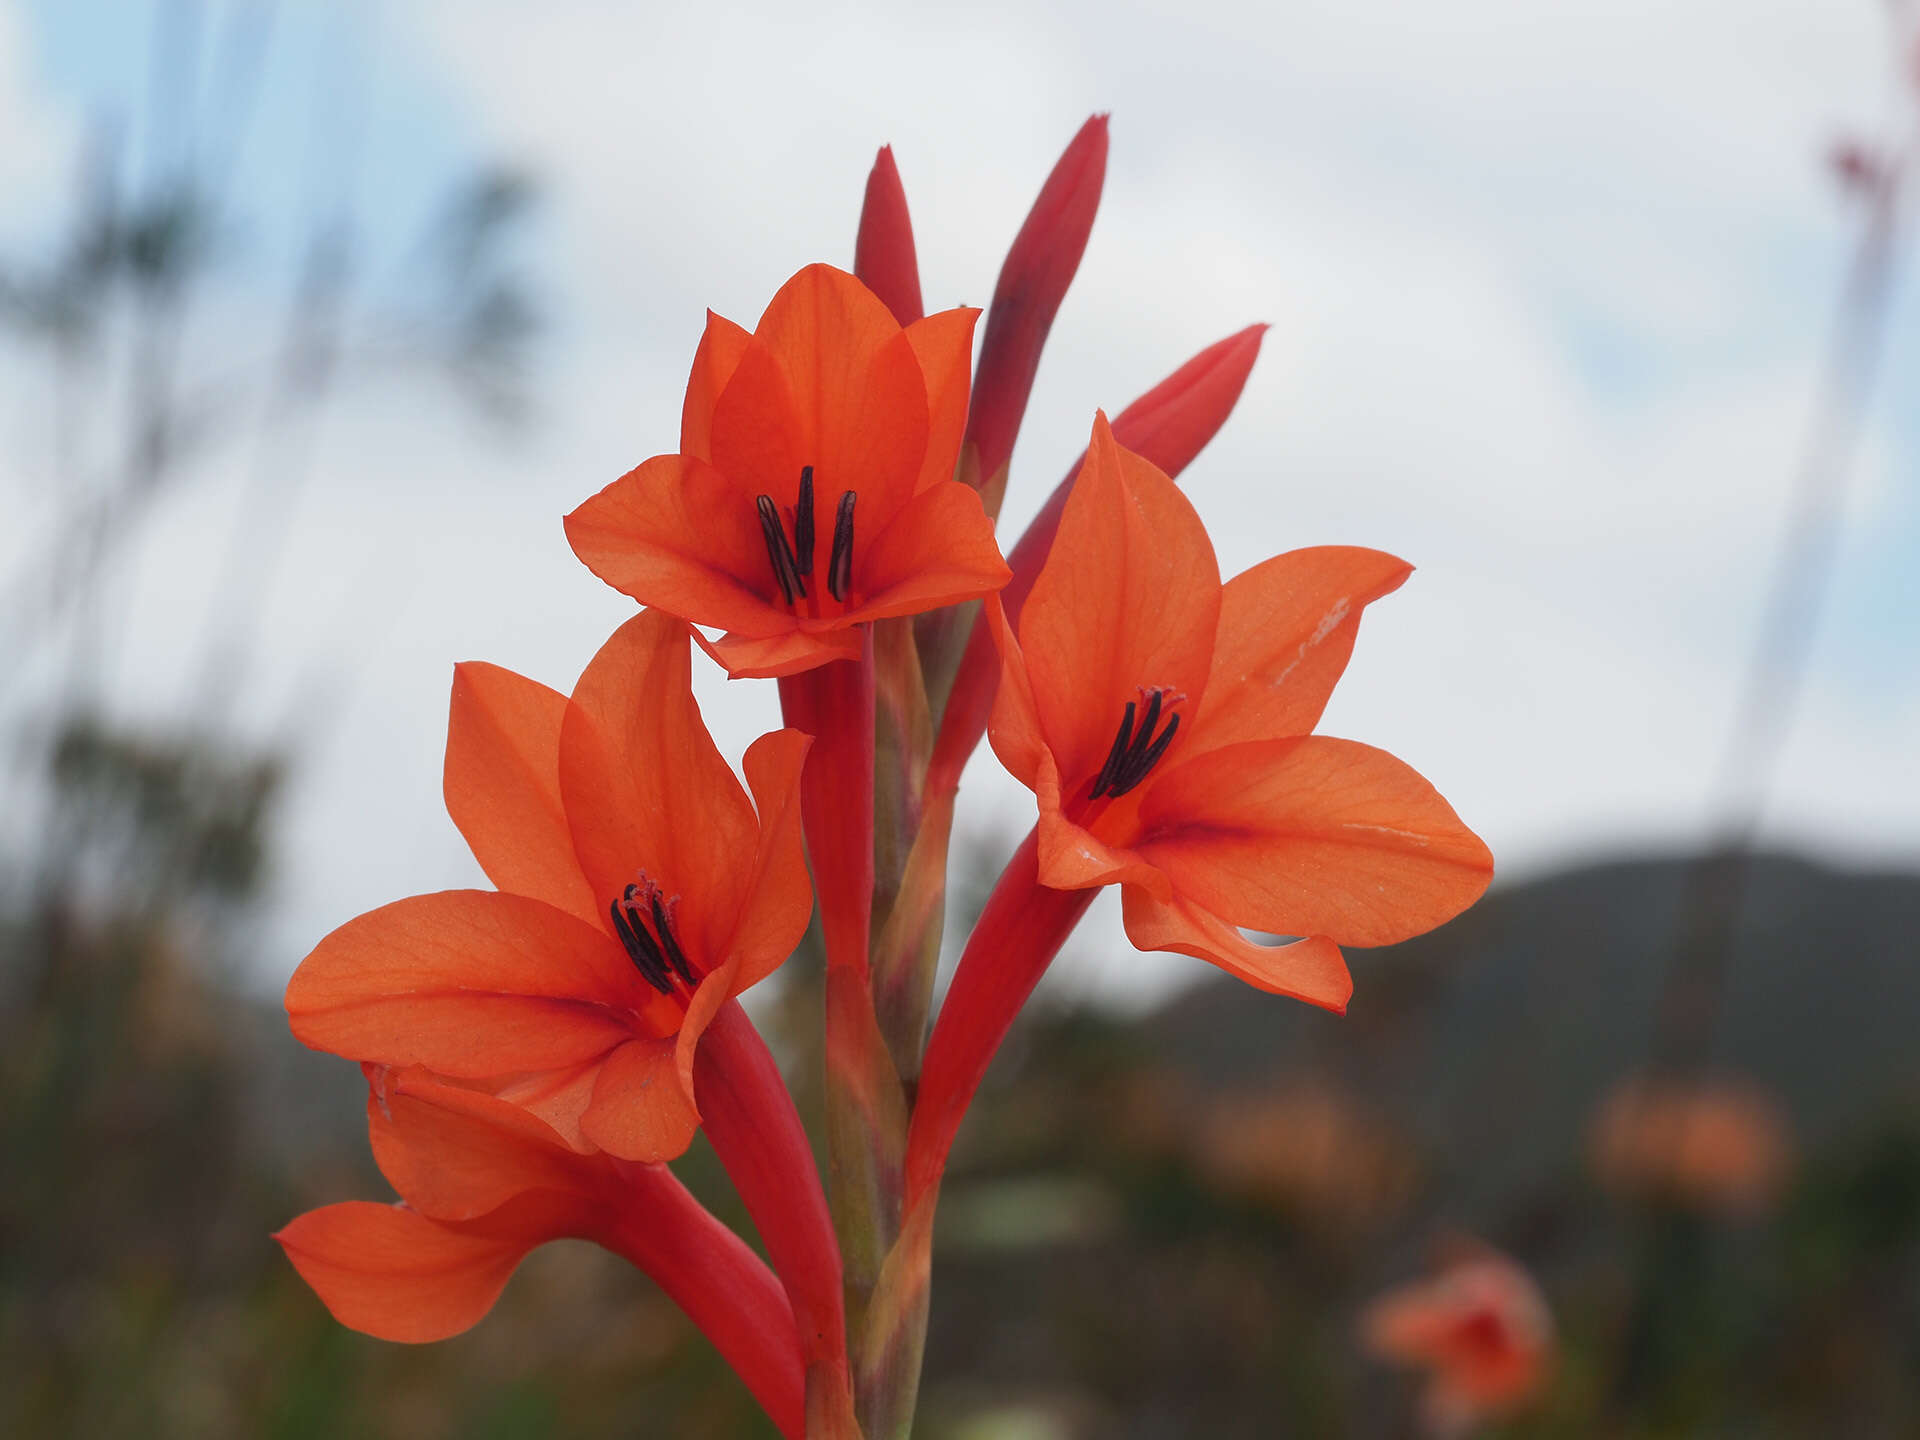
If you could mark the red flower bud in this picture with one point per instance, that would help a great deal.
(1033, 281)
(883, 253)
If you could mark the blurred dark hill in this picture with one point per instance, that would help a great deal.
(1168, 1226)
(1493, 1039)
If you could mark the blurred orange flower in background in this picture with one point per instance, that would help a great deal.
(813, 490)
(639, 893)
(1718, 1144)
(1309, 1150)
(1480, 1327)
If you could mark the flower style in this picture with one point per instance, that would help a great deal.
(1480, 1326)
(813, 491)
(1163, 722)
(482, 1183)
(639, 892)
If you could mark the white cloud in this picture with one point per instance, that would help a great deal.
(1436, 206)
(34, 132)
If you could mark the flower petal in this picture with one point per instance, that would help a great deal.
(560, 1097)
(646, 790)
(471, 983)
(721, 348)
(780, 898)
(1312, 836)
(1312, 969)
(1287, 627)
(641, 1110)
(673, 532)
(456, 1154)
(1015, 727)
(1168, 425)
(829, 381)
(387, 1271)
(502, 785)
(748, 658)
(1074, 858)
(939, 550)
(1129, 596)
(943, 344)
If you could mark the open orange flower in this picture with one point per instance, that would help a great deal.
(1480, 1327)
(482, 1182)
(814, 488)
(639, 893)
(1163, 722)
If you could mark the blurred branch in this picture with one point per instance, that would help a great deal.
(475, 329)
(1796, 594)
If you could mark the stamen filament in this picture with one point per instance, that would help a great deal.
(656, 954)
(840, 562)
(779, 554)
(640, 947)
(803, 523)
(1120, 744)
(669, 943)
(1136, 751)
(1149, 759)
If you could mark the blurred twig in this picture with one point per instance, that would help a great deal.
(1802, 573)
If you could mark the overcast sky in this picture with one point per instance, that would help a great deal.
(1548, 287)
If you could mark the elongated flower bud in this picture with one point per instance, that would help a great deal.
(883, 253)
(1033, 281)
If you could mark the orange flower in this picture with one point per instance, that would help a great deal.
(1481, 1328)
(1163, 721)
(1714, 1144)
(639, 893)
(814, 488)
(482, 1183)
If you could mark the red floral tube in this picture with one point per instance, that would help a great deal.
(750, 1118)
(724, 1288)
(1019, 932)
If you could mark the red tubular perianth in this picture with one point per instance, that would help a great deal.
(1016, 937)
(883, 252)
(750, 1118)
(724, 1288)
(834, 704)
